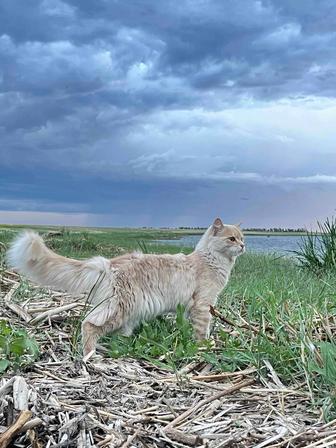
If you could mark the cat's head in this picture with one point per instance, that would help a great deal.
(225, 239)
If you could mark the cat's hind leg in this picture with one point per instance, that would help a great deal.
(105, 318)
(90, 335)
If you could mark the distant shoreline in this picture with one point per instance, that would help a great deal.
(176, 231)
(270, 233)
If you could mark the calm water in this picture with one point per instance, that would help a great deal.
(259, 243)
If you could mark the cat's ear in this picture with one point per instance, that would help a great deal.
(217, 226)
(239, 224)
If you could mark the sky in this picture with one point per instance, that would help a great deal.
(165, 113)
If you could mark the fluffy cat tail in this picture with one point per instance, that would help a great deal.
(30, 256)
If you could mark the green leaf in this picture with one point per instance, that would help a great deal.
(4, 363)
(5, 329)
(18, 346)
(31, 347)
(3, 344)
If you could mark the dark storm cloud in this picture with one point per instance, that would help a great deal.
(253, 44)
(75, 47)
(125, 100)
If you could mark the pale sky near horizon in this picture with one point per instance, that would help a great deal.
(147, 113)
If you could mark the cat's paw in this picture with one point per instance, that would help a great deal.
(92, 357)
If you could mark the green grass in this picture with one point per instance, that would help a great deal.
(291, 310)
(299, 309)
(165, 341)
(317, 252)
(83, 243)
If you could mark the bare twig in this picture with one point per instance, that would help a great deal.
(54, 312)
(10, 433)
(186, 439)
(246, 325)
(221, 394)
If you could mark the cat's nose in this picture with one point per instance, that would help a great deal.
(242, 245)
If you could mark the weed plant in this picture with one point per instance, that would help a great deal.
(17, 348)
(317, 250)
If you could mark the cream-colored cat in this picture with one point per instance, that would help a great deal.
(136, 287)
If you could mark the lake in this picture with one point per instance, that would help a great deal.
(281, 244)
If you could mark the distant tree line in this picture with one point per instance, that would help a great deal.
(191, 228)
(255, 229)
(248, 229)
(274, 229)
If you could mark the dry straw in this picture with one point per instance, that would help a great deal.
(62, 402)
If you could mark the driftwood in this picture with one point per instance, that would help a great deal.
(8, 435)
(61, 401)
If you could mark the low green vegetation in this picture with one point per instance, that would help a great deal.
(292, 312)
(165, 341)
(83, 243)
(280, 314)
(17, 348)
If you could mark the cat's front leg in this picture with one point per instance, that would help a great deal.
(200, 318)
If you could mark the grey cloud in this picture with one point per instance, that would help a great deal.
(264, 49)
(233, 47)
(165, 95)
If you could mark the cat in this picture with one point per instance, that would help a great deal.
(134, 287)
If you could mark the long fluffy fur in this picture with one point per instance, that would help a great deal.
(29, 255)
(135, 287)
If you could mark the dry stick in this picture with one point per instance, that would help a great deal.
(306, 436)
(130, 439)
(214, 377)
(224, 319)
(278, 436)
(8, 435)
(9, 281)
(312, 432)
(227, 391)
(20, 394)
(274, 375)
(51, 375)
(15, 274)
(31, 424)
(7, 387)
(53, 312)
(188, 368)
(246, 325)
(17, 309)
(107, 440)
(9, 294)
(186, 439)
(328, 441)
(327, 425)
(222, 376)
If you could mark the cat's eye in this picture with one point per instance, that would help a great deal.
(232, 238)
